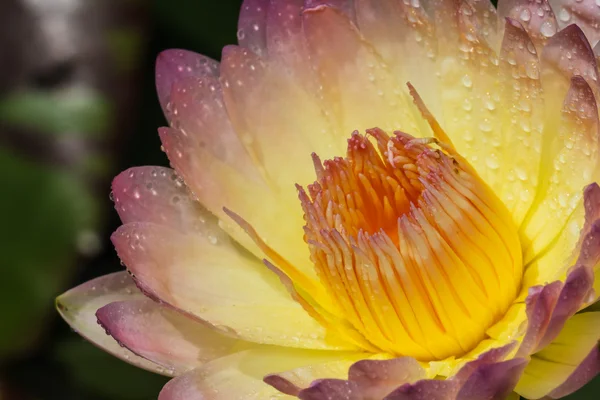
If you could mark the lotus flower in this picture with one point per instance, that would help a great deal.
(329, 231)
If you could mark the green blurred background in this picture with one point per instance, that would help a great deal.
(78, 105)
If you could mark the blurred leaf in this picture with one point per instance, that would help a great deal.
(76, 111)
(126, 45)
(101, 373)
(43, 211)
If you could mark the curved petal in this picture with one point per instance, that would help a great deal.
(537, 18)
(585, 372)
(584, 13)
(78, 308)
(556, 363)
(569, 162)
(357, 85)
(493, 381)
(213, 279)
(239, 376)
(173, 65)
(522, 121)
(252, 28)
(164, 336)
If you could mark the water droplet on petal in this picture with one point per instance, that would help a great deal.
(548, 29)
(525, 15)
(564, 15)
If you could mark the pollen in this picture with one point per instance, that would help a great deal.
(414, 250)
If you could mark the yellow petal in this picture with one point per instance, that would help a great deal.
(213, 279)
(555, 363)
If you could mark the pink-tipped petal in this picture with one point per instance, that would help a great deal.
(209, 277)
(158, 195)
(285, 41)
(198, 111)
(364, 93)
(377, 378)
(585, 372)
(578, 60)
(173, 65)
(492, 381)
(537, 18)
(163, 336)
(78, 307)
(583, 13)
(403, 34)
(252, 26)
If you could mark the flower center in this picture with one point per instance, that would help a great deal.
(415, 251)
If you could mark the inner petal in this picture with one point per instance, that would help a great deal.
(416, 251)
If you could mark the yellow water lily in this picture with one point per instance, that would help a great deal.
(370, 199)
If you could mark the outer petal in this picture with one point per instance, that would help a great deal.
(584, 13)
(522, 121)
(175, 64)
(356, 83)
(252, 27)
(556, 363)
(493, 381)
(585, 372)
(537, 18)
(213, 279)
(239, 376)
(78, 307)
(568, 164)
(164, 336)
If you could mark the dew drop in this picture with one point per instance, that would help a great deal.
(564, 15)
(525, 15)
(548, 29)
(492, 163)
(466, 81)
(241, 35)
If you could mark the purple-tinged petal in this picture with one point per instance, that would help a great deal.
(558, 362)
(429, 389)
(239, 376)
(198, 111)
(158, 195)
(583, 13)
(537, 17)
(585, 372)
(495, 355)
(574, 293)
(539, 306)
(344, 6)
(162, 335)
(578, 60)
(337, 389)
(252, 26)
(78, 307)
(591, 203)
(492, 381)
(377, 378)
(173, 65)
(209, 277)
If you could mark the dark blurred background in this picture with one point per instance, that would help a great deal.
(78, 105)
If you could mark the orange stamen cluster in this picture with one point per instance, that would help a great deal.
(414, 249)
